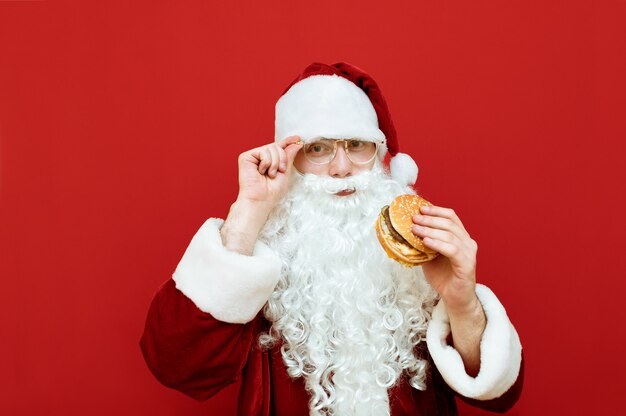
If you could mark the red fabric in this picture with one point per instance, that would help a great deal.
(365, 82)
(190, 351)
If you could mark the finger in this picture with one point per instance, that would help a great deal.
(440, 223)
(291, 151)
(433, 233)
(274, 162)
(287, 141)
(442, 212)
(251, 156)
(265, 160)
(282, 166)
(447, 249)
(460, 240)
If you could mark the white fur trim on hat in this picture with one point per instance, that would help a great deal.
(500, 351)
(230, 286)
(403, 169)
(326, 106)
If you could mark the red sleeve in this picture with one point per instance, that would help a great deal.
(188, 350)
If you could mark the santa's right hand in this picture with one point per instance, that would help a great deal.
(264, 171)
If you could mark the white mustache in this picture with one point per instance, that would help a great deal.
(328, 184)
(334, 185)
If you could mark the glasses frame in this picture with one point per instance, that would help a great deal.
(345, 147)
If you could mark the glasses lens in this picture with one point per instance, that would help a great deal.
(321, 151)
(360, 151)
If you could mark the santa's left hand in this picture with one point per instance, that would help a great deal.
(453, 273)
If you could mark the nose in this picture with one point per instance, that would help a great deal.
(340, 166)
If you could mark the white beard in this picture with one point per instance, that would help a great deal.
(348, 316)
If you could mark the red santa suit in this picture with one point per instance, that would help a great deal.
(203, 325)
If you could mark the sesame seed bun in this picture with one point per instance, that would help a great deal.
(393, 229)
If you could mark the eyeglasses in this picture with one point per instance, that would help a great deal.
(323, 151)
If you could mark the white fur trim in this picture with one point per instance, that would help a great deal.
(326, 106)
(403, 169)
(228, 285)
(500, 351)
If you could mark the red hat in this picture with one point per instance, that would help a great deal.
(341, 101)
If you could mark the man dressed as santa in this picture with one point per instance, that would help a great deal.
(293, 296)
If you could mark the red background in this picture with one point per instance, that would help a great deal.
(120, 125)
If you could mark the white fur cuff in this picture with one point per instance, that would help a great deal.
(230, 286)
(500, 351)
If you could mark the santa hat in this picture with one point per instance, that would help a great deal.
(341, 101)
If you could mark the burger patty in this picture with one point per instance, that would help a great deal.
(392, 230)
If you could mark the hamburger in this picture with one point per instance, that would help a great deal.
(393, 228)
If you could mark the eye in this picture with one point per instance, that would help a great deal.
(318, 148)
(356, 145)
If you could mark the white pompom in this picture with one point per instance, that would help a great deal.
(403, 169)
